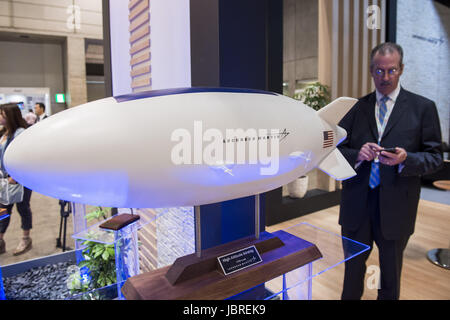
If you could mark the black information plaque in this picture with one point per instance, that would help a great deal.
(239, 260)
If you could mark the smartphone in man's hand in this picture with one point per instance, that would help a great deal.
(391, 150)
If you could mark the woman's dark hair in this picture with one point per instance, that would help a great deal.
(13, 118)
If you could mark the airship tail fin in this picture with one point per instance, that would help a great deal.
(336, 166)
(336, 110)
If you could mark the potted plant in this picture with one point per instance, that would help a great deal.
(298, 187)
(316, 96)
(98, 269)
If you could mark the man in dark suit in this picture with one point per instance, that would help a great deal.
(39, 109)
(380, 203)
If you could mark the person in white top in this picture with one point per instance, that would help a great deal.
(14, 124)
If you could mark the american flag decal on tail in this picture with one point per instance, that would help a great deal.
(328, 138)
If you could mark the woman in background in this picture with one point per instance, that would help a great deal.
(13, 125)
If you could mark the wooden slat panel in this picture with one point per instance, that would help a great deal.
(374, 39)
(148, 252)
(142, 89)
(140, 58)
(143, 18)
(139, 28)
(335, 47)
(138, 46)
(365, 53)
(147, 214)
(356, 56)
(149, 258)
(146, 264)
(149, 255)
(149, 243)
(345, 46)
(340, 48)
(149, 246)
(140, 33)
(150, 226)
(141, 66)
(383, 22)
(149, 233)
(325, 43)
(137, 10)
(133, 3)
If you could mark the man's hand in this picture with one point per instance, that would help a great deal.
(392, 159)
(11, 181)
(368, 152)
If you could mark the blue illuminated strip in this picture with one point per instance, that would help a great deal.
(166, 92)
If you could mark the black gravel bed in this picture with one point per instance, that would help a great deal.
(42, 283)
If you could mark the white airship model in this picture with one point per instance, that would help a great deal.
(178, 147)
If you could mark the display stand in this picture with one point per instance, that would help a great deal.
(297, 284)
(279, 276)
(293, 284)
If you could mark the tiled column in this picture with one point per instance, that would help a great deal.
(76, 71)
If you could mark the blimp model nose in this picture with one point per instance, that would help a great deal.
(57, 157)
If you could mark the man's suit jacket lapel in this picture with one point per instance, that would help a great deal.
(370, 114)
(397, 112)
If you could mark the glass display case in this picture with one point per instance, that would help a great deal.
(295, 284)
(125, 247)
(79, 225)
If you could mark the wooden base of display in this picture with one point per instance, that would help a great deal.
(119, 221)
(201, 278)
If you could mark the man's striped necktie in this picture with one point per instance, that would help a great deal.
(374, 179)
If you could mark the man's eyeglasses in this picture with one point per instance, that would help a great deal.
(381, 72)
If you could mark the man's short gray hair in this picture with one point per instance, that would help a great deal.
(384, 48)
